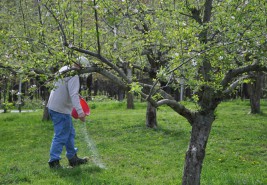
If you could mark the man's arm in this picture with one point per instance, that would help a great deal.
(73, 88)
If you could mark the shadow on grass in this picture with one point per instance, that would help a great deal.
(78, 175)
(68, 171)
(175, 133)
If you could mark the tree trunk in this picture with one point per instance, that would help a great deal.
(96, 88)
(120, 94)
(151, 113)
(255, 92)
(46, 116)
(89, 84)
(196, 151)
(130, 100)
(129, 73)
(151, 116)
(4, 95)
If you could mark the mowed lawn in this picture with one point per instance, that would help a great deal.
(123, 151)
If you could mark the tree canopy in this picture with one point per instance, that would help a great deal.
(210, 46)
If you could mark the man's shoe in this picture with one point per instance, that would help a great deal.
(76, 161)
(54, 164)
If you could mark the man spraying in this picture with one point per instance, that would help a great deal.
(62, 99)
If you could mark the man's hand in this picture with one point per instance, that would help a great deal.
(82, 117)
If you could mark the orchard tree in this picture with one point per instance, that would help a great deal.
(26, 48)
(255, 91)
(214, 40)
(214, 64)
(208, 45)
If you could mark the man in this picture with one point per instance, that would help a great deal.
(63, 98)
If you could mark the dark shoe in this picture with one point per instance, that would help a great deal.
(54, 164)
(76, 161)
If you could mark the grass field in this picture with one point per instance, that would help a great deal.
(123, 151)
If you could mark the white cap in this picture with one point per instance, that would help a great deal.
(83, 61)
(64, 68)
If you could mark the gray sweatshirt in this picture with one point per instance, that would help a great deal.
(65, 96)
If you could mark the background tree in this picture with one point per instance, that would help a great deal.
(208, 55)
(214, 72)
(208, 44)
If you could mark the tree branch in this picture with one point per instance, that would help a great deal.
(179, 108)
(8, 68)
(96, 27)
(230, 75)
(170, 101)
(65, 43)
(235, 84)
(102, 59)
(105, 73)
(96, 55)
(207, 11)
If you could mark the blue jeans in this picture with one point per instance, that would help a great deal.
(64, 135)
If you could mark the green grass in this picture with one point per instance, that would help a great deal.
(133, 154)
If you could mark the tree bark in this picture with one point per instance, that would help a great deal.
(95, 87)
(151, 116)
(120, 94)
(46, 116)
(130, 100)
(195, 154)
(255, 92)
(89, 84)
